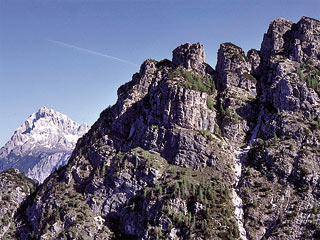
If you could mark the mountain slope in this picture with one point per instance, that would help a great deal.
(192, 152)
(15, 187)
(43, 142)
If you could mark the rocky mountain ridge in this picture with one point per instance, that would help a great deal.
(42, 143)
(192, 152)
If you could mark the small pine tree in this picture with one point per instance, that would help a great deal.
(221, 188)
(236, 116)
(275, 137)
(278, 112)
(315, 208)
(313, 220)
(223, 112)
(217, 130)
(254, 203)
(228, 113)
(103, 170)
(200, 193)
(186, 182)
(203, 182)
(214, 195)
(227, 192)
(183, 189)
(309, 82)
(176, 187)
(314, 83)
(300, 73)
(145, 193)
(210, 103)
(213, 87)
(173, 171)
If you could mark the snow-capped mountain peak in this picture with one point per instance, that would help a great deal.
(46, 132)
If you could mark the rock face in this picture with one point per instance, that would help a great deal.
(299, 42)
(234, 68)
(14, 189)
(42, 143)
(276, 37)
(190, 56)
(305, 43)
(188, 152)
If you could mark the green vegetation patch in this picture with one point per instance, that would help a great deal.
(249, 77)
(207, 134)
(210, 103)
(193, 81)
(208, 210)
(311, 75)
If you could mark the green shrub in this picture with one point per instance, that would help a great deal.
(315, 208)
(236, 116)
(254, 203)
(210, 103)
(194, 81)
(217, 130)
(249, 77)
(223, 112)
(207, 134)
(300, 74)
(311, 77)
(278, 112)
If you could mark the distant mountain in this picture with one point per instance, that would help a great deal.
(42, 143)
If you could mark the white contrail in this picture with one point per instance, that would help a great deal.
(90, 51)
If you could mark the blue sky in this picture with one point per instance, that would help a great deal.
(73, 55)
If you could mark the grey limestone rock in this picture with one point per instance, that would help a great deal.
(233, 68)
(305, 43)
(255, 60)
(191, 56)
(15, 187)
(274, 40)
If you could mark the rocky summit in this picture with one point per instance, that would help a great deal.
(42, 143)
(193, 152)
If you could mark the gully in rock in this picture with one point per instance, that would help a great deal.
(241, 156)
